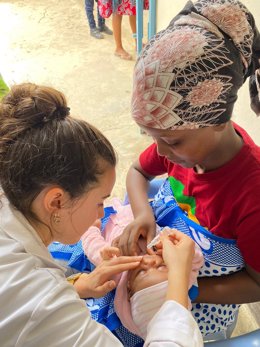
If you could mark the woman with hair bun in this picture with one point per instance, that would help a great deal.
(55, 173)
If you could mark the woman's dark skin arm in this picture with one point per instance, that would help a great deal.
(137, 184)
(238, 288)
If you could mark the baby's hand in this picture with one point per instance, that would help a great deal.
(110, 252)
(97, 223)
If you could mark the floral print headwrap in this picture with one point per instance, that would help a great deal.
(188, 75)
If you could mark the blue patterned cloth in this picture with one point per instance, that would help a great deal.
(222, 257)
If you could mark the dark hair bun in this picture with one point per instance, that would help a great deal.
(29, 106)
(31, 103)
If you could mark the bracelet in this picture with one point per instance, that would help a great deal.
(73, 278)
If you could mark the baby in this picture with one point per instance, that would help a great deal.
(140, 292)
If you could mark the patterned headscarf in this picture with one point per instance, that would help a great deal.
(188, 75)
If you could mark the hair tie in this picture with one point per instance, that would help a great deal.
(61, 112)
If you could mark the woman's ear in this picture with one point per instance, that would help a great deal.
(53, 199)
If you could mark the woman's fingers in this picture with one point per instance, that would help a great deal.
(120, 264)
(123, 241)
(166, 242)
(128, 240)
(174, 235)
(124, 262)
(125, 259)
(132, 246)
(104, 289)
(98, 282)
(143, 227)
(116, 269)
(136, 233)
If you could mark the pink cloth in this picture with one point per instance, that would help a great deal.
(93, 242)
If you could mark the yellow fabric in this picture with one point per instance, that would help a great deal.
(73, 278)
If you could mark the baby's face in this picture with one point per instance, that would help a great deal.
(151, 271)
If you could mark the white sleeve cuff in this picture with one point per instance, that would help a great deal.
(173, 325)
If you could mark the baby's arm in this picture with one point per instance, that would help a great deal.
(93, 243)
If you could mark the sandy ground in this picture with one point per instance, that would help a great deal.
(45, 43)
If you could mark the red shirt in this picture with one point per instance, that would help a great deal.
(226, 201)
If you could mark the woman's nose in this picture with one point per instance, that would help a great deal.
(162, 148)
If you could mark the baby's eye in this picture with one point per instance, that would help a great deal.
(101, 204)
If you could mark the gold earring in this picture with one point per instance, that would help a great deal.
(56, 218)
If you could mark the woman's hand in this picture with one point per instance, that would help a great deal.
(142, 227)
(177, 250)
(98, 282)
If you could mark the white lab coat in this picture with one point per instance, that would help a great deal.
(39, 308)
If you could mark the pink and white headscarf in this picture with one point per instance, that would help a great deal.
(188, 75)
